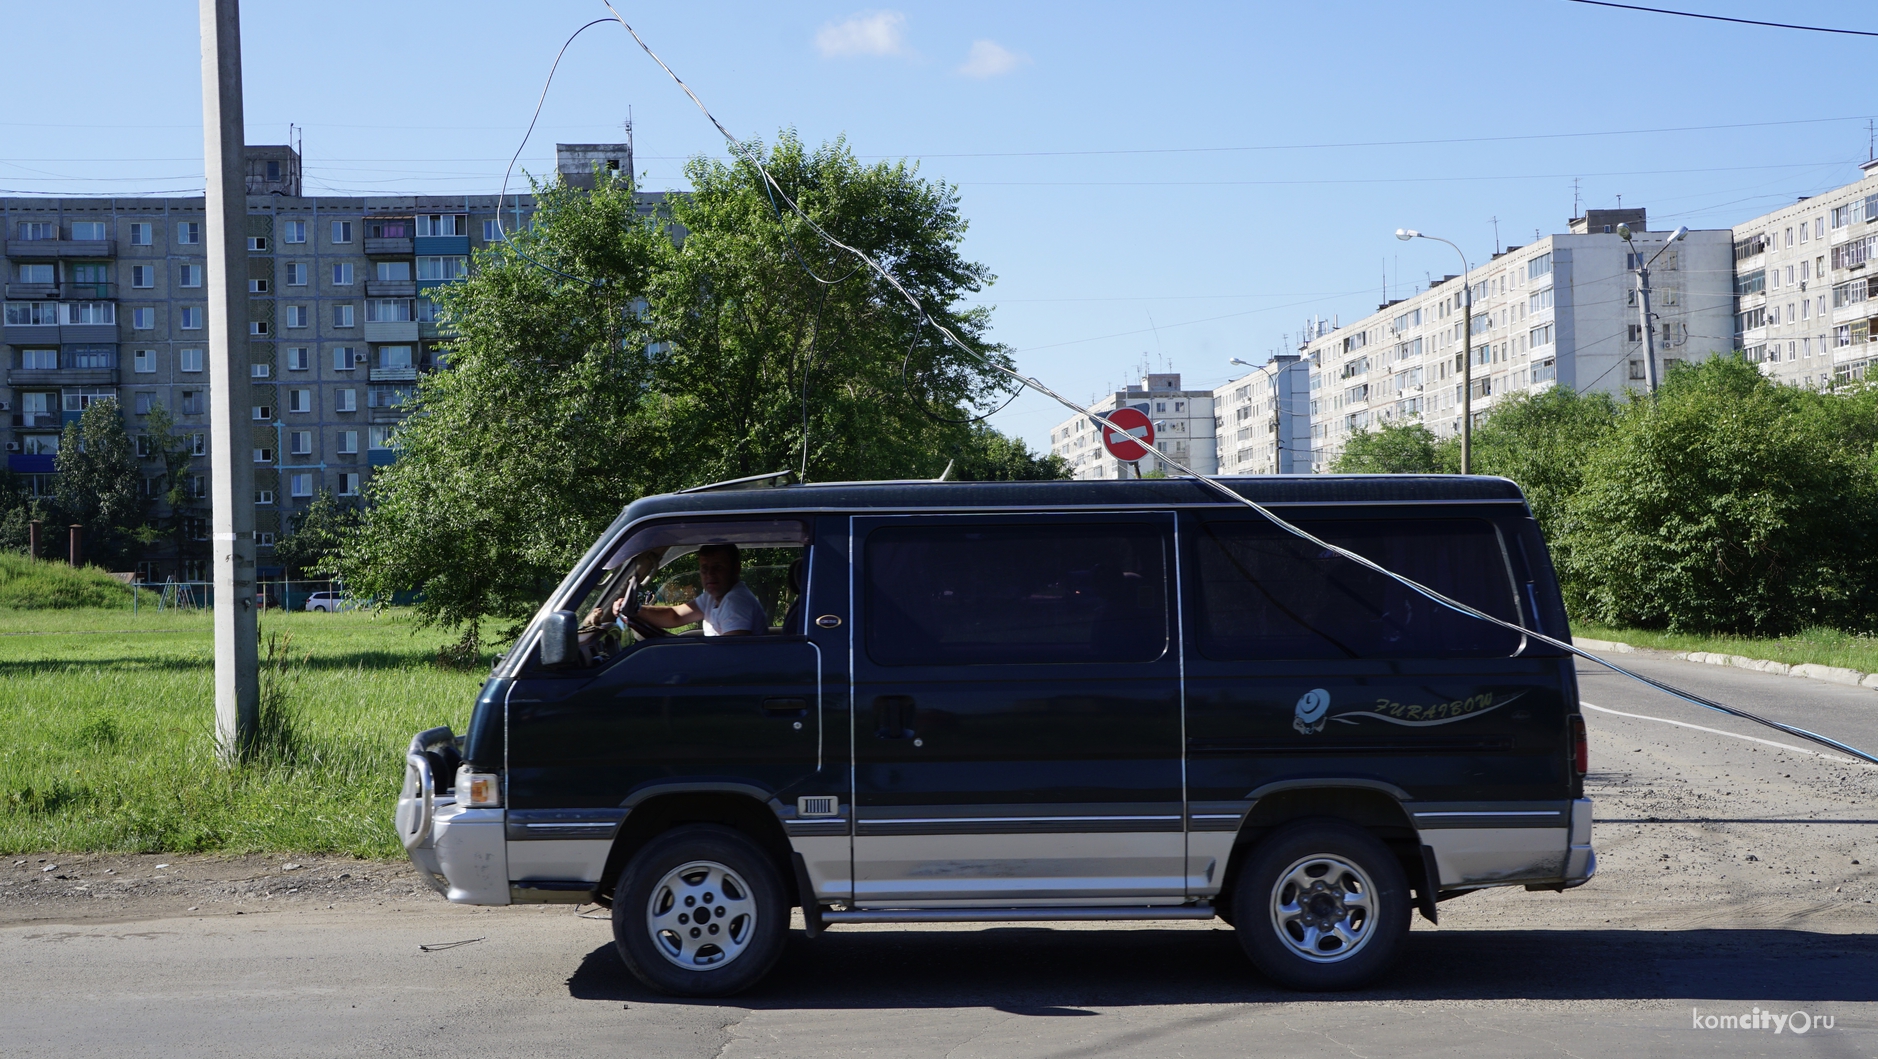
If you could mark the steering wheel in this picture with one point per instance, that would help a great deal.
(644, 628)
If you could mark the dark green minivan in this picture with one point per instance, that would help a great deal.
(996, 702)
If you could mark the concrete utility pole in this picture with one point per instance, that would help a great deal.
(1643, 298)
(1467, 348)
(231, 473)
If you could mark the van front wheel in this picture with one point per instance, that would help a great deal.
(1321, 905)
(700, 911)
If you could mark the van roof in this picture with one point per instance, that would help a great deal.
(1169, 492)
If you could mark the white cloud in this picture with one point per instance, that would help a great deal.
(868, 33)
(988, 58)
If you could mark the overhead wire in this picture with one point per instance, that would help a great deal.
(1209, 482)
(1725, 18)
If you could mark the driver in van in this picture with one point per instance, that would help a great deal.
(726, 605)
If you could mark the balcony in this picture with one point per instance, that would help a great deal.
(447, 245)
(37, 420)
(390, 288)
(393, 374)
(53, 249)
(68, 290)
(36, 335)
(391, 331)
(50, 377)
(31, 291)
(382, 247)
(31, 463)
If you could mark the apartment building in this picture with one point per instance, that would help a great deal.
(1263, 420)
(1183, 428)
(1559, 312)
(106, 298)
(1803, 310)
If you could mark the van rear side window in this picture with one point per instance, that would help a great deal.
(1267, 594)
(974, 594)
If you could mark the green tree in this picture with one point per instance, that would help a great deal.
(1727, 503)
(173, 450)
(611, 352)
(18, 507)
(989, 456)
(1394, 448)
(316, 535)
(100, 485)
(1541, 442)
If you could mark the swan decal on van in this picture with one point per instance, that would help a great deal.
(1313, 711)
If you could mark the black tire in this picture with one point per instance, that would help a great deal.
(1351, 881)
(718, 875)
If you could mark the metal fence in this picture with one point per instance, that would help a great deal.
(279, 594)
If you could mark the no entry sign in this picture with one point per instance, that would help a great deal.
(1123, 444)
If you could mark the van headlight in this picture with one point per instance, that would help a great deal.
(478, 790)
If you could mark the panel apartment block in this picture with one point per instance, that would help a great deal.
(1183, 428)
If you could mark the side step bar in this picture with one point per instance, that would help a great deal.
(1018, 915)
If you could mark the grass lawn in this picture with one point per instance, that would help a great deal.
(1820, 646)
(110, 723)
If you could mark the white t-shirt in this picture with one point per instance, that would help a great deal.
(738, 611)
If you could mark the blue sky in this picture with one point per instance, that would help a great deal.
(1170, 184)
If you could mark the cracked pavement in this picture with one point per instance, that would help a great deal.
(1733, 875)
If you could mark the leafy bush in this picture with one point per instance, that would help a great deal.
(1398, 448)
(1728, 503)
(38, 584)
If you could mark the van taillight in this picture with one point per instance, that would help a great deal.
(1581, 749)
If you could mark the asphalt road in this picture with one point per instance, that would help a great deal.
(1726, 884)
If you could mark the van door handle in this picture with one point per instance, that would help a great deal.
(893, 716)
(786, 707)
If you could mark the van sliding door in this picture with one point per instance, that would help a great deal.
(1017, 710)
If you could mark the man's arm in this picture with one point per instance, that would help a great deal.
(670, 617)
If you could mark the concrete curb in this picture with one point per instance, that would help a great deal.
(1809, 670)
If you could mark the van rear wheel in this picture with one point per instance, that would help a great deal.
(700, 911)
(1321, 905)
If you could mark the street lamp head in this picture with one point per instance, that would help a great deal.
(1405, 234)
(1623, 232)
(1236, 360)
(1679, 233)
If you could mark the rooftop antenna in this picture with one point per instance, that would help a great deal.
(1496, 235)
(1620, 202)
(1869, 156)
(1575, 210)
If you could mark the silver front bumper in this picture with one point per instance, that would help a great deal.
(461, 852)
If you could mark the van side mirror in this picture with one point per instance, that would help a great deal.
(560, 638)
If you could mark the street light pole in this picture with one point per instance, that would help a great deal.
(231, 473)
(1467, 348)
(1643, 297)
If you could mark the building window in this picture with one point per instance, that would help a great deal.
(342, 274)
(190, 317)
(302, 484)
(263, 497)
(88, 231)
(342, 315)
(198, 446)
(342, 231)
(39, 360)
(297, 358)
(257, 327)
(188, 360)
(388, 310)
(345, 358)
(260, 371)
(40, 274)
(303, 443)
(257, 286)
(143, 276)
(192, 405)
(394, 358)
(257, 244)
(349, 442)
(296, 274)
(1636, 369)
(263, 538)
(261, 413)
(82, 313)
(436, 224)
(139, 233)
(299, 400)
(296, 316)
(33, 231)
(189, 233)
(32, 314)
(264, 455)
(428, 311)
(348, 483)
(442, 268)
(379, 438)
(293, 232)
(393, 271)
(348, 400)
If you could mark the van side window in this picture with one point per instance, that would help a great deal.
(1267, 594)
(974, 594)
